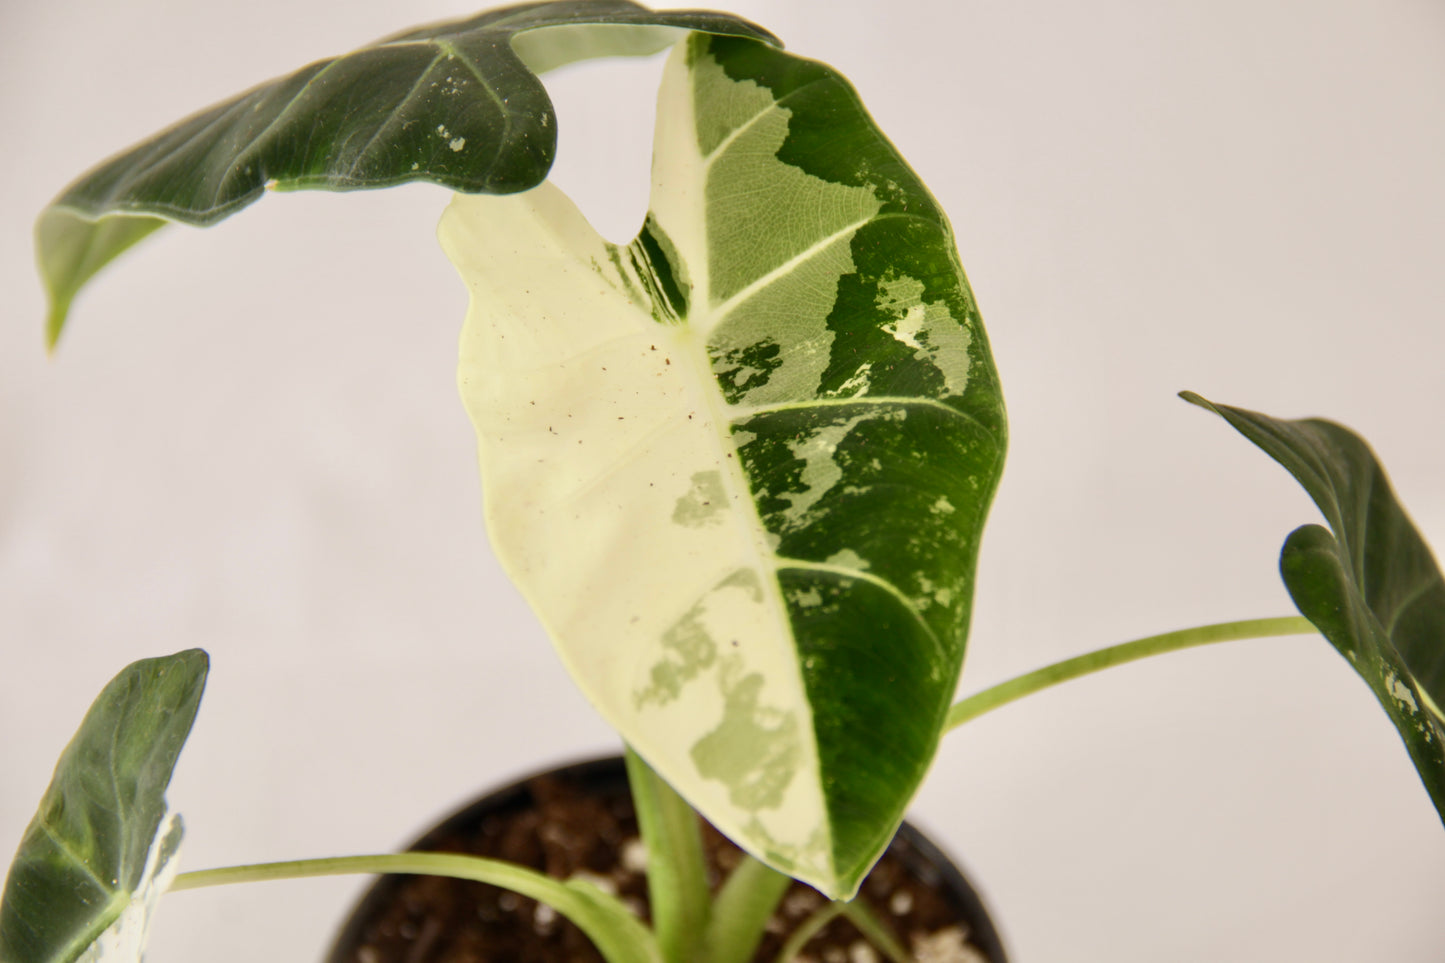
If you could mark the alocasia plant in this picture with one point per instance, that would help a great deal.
(740, 465)
(777, 381)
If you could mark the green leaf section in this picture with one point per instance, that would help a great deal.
(1372, 588)
(741, 465)
(873, 442)
(457, 104)
(97, 851)
(747, 899)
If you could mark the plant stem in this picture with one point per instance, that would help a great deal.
(877, 931)
(864, 920)
(677, 882)
(808, 929)
(430, 864)
(741, 910)
(618, 935)
(1006, 692)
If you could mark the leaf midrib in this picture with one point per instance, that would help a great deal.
(743, 412)
(721, 311)
(443, 48)
(694, 251)
(77, 858)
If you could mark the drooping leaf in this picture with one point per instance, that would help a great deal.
(1372, 588)
(740, 466)
(101, 848)
(456, 103)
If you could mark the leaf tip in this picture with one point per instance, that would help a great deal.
(54, 324)
(1195, 399)
(198, 659)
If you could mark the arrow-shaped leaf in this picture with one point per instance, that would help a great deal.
(457, 104)
(101, 847)
(1372, 588)
(740, 466)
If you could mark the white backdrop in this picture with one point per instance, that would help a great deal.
(251, 441)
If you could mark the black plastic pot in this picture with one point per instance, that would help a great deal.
(409, 919)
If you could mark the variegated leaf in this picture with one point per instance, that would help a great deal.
(101, 849)
(1370, 583)
(740, 466)
(455, 103)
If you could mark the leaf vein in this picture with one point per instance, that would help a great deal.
(65, 846)
(738, 131)
(744, 413)
(392, 118)
(1410, 598)
(861, 575)
(782, 270)
(451, 50)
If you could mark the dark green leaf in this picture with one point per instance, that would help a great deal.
(101, 840)
(457, 104)
(1372, 588)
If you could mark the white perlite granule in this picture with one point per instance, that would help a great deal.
(861, 952)
(634, 855)
(946, 946)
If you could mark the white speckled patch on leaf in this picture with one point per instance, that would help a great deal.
(124, 941)
(712, 459)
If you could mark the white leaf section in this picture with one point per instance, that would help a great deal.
(615, 499)
(124, 940)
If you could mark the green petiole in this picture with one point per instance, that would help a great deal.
(754, 890)
(1051, 675)
(618, 935)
